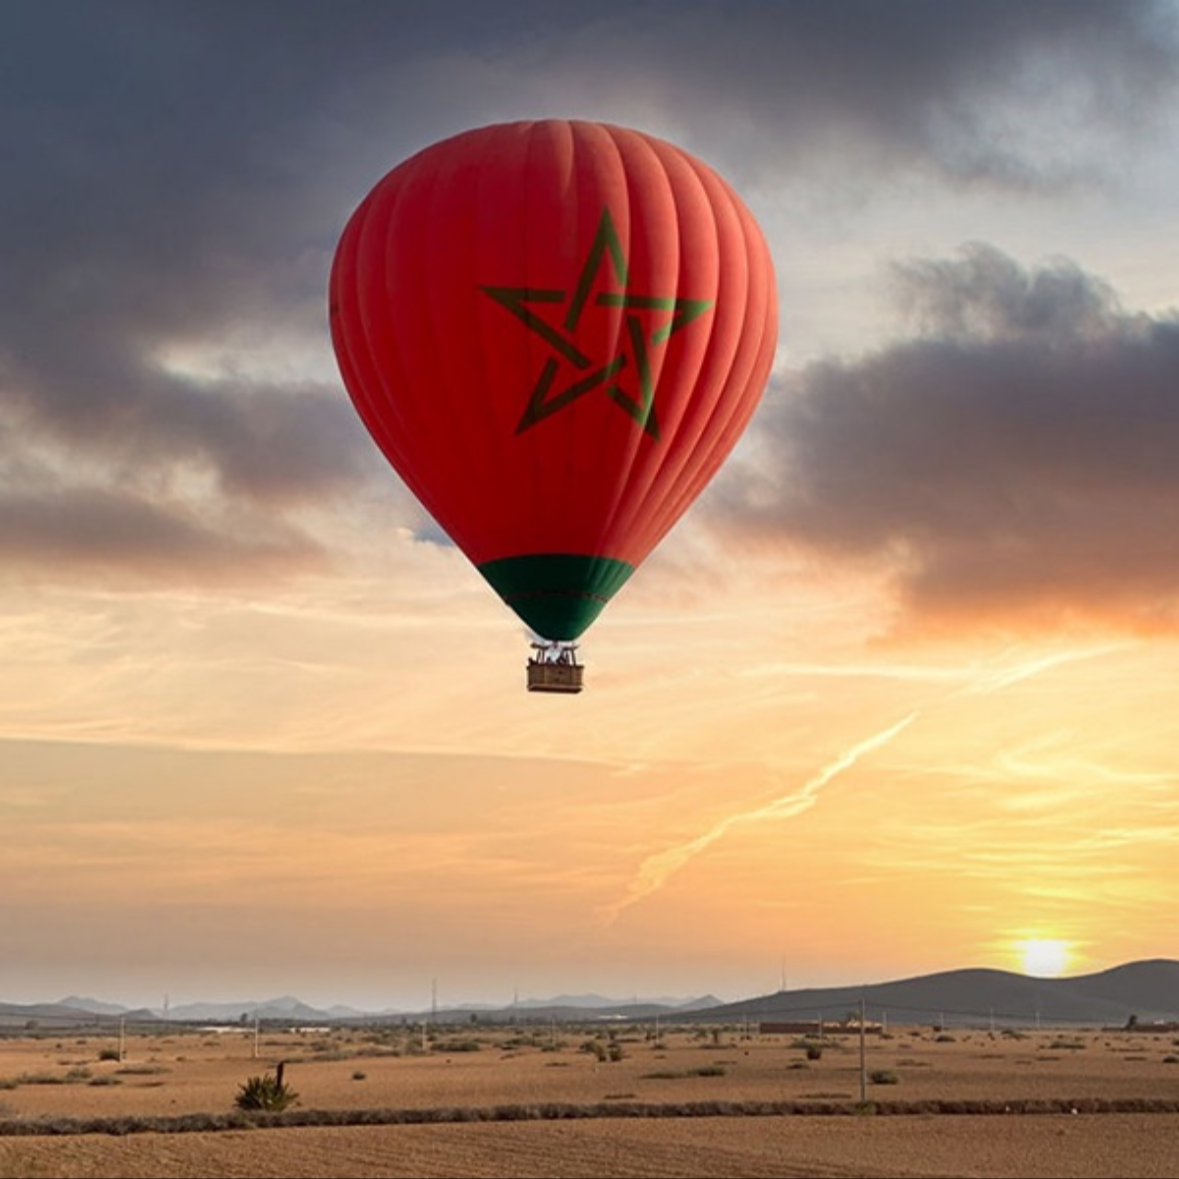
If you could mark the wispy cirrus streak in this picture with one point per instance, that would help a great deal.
(657, 869)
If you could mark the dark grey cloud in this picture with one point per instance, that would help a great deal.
(272, 444)
(104, 536)
(1004, 93)
(176, 176)
(1013, 462)
(166, 480)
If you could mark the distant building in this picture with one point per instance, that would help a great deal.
(819, 1027)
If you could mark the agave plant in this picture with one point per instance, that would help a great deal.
(266, 1092)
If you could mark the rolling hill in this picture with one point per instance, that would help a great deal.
(1146, 991)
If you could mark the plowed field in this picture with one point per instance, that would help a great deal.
(49, 1084)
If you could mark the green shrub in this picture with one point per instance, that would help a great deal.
(458, 1046)
(671, 1074)
(266, 1092)
(884, 1076)
(595, 1047)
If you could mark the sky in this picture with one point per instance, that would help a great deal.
(896, 695)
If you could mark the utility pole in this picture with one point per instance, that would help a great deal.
(863, 1058)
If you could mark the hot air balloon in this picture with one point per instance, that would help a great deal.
(555, 331)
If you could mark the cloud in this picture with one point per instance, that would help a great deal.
(155, 478)
(1013, 462)
(176, 178)
(104, 536)
(959, 91)
(658, 868)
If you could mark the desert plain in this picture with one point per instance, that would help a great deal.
(587, 1102)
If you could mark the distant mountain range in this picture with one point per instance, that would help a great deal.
(1143, 992)
(76, 1009)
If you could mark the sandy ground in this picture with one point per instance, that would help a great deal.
(183, 1073)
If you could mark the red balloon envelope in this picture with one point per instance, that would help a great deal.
(556, 332)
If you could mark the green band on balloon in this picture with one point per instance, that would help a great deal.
(557, 595)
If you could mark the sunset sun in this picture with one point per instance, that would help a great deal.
(1043, 957)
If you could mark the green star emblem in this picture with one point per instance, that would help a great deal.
(626, 377)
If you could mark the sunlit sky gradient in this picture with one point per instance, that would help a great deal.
(898, 695)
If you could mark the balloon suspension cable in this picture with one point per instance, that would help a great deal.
(554, 651)
(553, 667)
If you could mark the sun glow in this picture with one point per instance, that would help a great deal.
(1043, 957)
